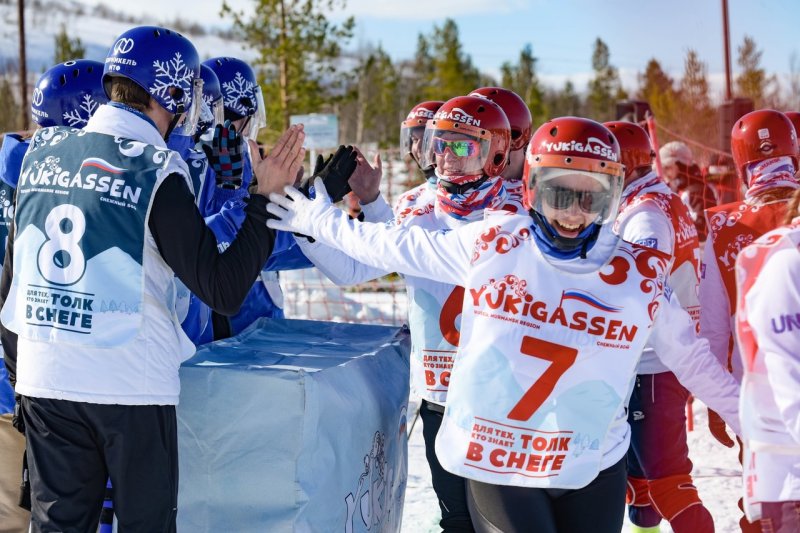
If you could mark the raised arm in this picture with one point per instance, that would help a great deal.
(438, 255)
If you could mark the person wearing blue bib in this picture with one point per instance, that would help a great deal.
(67, 94)
(105, 220)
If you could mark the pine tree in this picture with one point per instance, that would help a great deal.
(695, 117)
(565, 102)
(658, 89)
(605, 87)
(753, 82)
(377, 100)
(298, 48)
(453, 71)
(521, 78)
(67, 49)
(9, 108)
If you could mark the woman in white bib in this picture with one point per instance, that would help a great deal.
(556, 312)
(768, 333)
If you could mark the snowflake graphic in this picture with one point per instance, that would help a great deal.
(236, 90)
(79, 117)
(172, 73)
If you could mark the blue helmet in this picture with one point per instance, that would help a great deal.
(68, 94)
(212, 96)
(240, 92)
(157, 59)
(239, 86)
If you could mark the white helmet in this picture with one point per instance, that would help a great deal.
(675, 152)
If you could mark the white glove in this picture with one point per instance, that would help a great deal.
(298, 214)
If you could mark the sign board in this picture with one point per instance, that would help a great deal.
(322, 131)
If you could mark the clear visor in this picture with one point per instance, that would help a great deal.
(553, 192)
(454, 153)
(211, 115)
(191, 117)
(411, 142)
(218, 111)
(253, 124)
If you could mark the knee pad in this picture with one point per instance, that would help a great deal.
(637, 493)
(673, 494)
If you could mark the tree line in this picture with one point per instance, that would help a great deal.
(303, 67)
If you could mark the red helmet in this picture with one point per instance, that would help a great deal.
(634, 145)
(421, 113)
(760, 135)
(794, 116)
(413, 127)
(474, 132)
(516, 110)
(571, 145)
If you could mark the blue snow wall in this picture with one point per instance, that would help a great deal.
(295, 425)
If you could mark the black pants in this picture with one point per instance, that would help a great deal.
(73, 448)
(598, 507)
(450, 488)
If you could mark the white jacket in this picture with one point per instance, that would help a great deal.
(768, 331)
(447, 257)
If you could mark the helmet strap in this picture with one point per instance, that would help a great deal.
(175, 119)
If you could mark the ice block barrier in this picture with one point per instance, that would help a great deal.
(295, 425)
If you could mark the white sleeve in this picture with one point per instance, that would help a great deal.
(675, 342)
(715, 311)
(337, 266)
(771, 303)
(648, 226)
(439, 255)
(378, 210)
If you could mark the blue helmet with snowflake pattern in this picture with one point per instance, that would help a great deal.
(241, 93)
(68, 94)
(161, 61)
(238, 83)
(212, 96)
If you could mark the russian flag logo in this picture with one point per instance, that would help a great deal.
(589, 299)
(102, 164)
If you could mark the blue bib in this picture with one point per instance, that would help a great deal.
(83, 200)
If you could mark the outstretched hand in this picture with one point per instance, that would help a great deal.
(281, 166)
(334, 171)
(366, 180)
(295, 213)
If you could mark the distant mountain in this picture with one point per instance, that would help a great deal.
(97, 26)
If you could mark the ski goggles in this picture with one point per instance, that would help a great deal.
(562, 198)
(459, 147)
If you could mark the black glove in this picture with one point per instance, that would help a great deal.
(17, 420)
(225, 155)
(335, 172)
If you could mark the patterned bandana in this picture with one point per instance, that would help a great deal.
(470, 205)
(769, 174)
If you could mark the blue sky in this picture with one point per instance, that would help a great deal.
(562, 33)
